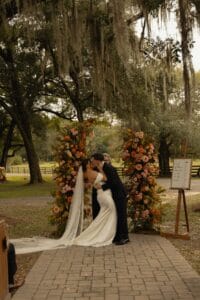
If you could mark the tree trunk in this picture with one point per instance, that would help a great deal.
(7, 144)
(164, 156)
(185, 36)
(21, 116)
(33, 161)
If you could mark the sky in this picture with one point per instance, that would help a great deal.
(171, 31)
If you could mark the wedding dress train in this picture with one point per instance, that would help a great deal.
(99, 233)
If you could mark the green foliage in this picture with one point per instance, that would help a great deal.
(106, 138)
(16, 160)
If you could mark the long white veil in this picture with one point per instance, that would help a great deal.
(73, 228)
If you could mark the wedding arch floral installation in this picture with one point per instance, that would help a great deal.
(69, 152)
(140, 170)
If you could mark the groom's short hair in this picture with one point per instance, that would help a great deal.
(98, 156)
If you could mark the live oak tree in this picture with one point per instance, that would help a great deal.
(20, 83)
(75, 22)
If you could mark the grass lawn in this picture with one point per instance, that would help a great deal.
(24, 207)
(26, 211)
(18, 186)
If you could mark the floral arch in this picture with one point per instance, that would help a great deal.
(139, 160)
(141, 170)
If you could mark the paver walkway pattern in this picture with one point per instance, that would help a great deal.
(147, 268)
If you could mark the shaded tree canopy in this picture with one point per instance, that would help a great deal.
(106, 31)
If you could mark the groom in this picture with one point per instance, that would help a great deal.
(119, 196)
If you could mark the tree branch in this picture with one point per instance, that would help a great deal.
(135, 18)
(6, 107)
(59, 114)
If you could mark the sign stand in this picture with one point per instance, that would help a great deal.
(181, 178)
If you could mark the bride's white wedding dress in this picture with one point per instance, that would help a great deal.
(99, 233)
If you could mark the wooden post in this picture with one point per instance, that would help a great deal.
(178, 208)
(4, 293)
(186, 214)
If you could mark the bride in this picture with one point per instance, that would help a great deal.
(100, 232)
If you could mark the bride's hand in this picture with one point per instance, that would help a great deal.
(97, 186)
(88, 185)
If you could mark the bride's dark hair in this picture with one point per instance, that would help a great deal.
(85, 163)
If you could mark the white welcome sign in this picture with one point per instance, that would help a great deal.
(181, 174)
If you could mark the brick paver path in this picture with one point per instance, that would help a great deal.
(148, 268)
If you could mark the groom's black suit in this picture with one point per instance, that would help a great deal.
(119, 196)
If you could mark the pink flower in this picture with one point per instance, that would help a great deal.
(74, 131)
(125, 155)
(145, 214)
(133, 154)
(138, 157)
(138, 196)
(144, 174)
(73, 173)
(138, 167)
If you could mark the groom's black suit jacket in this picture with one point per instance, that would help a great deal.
(116, 186)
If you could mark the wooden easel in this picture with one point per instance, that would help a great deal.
(180, 183)
(176, 235)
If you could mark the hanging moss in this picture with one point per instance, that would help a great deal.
(100, 27)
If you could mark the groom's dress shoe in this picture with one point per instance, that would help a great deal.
(122, 242)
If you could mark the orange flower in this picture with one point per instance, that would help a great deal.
(74, 131)
(151, 179)
(66, 138)
(141, 149)
(69, 199)
(56, 209)
(145, 188)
